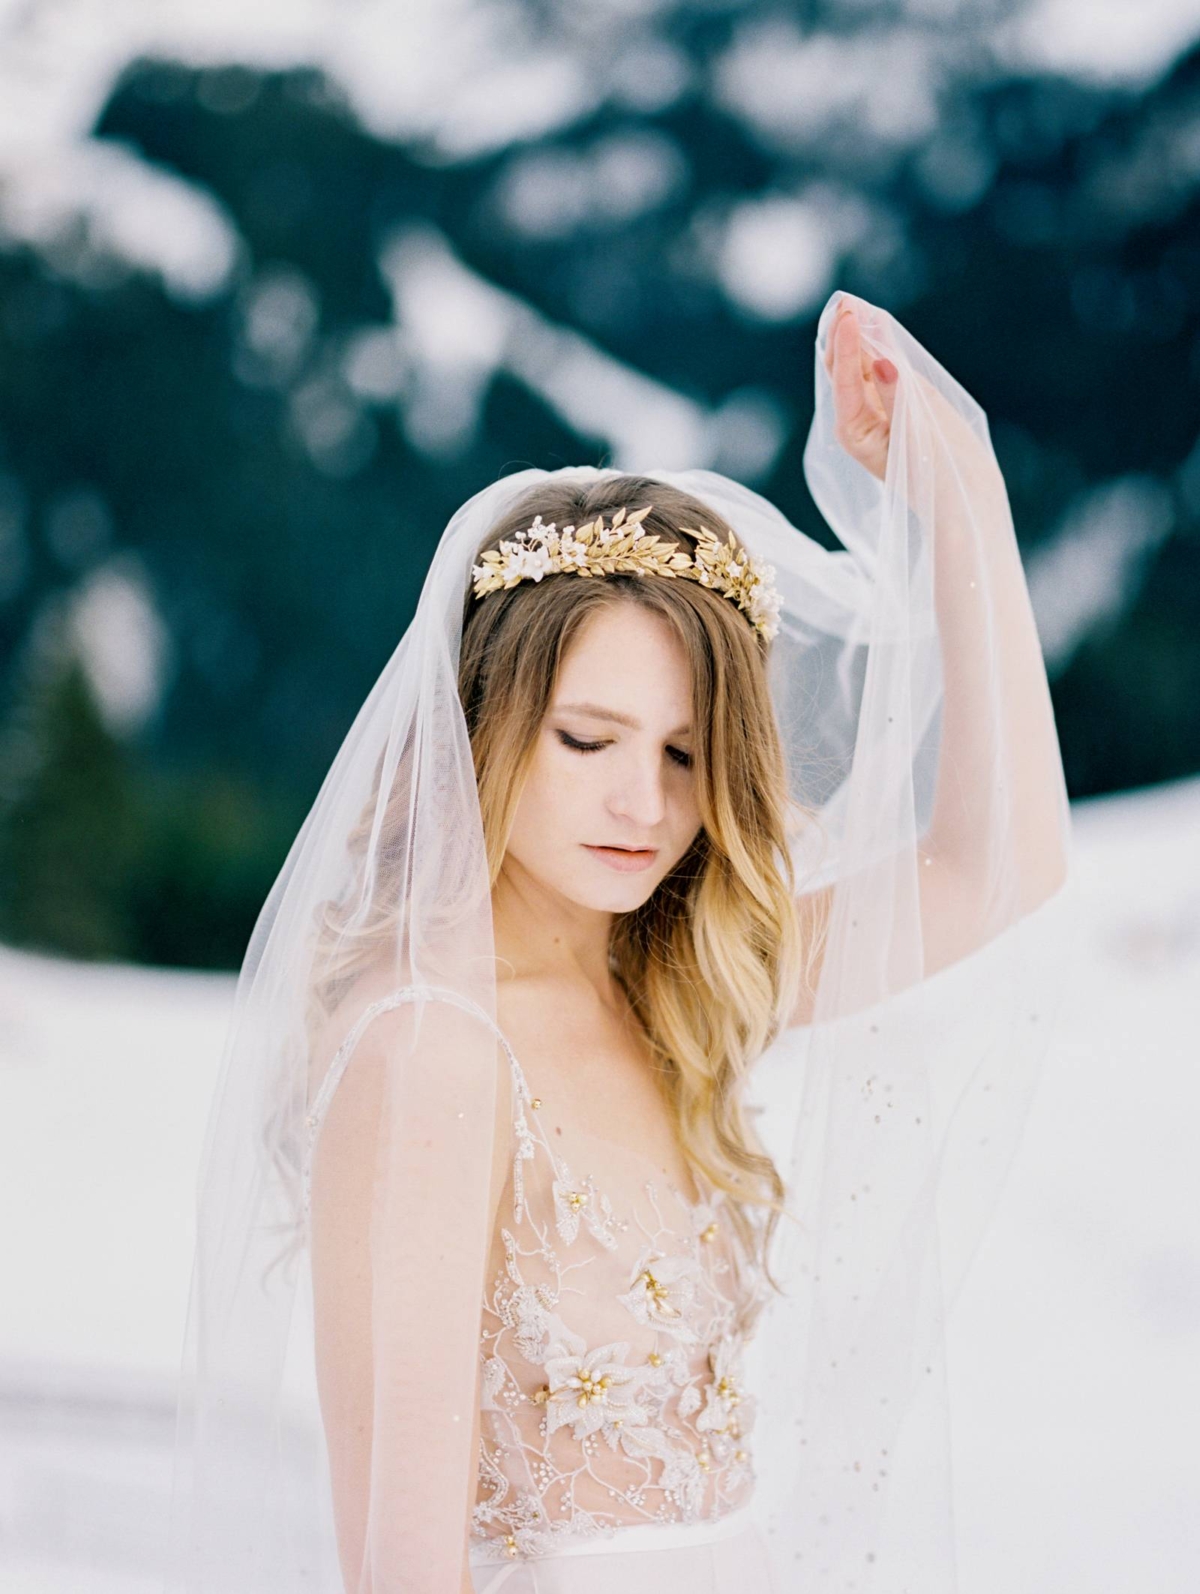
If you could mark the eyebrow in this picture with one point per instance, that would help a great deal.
(594, 711)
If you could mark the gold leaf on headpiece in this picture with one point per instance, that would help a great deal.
(593, 550)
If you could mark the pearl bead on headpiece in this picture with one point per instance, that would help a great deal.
(599, 550)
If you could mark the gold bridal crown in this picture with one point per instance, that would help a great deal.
(599, 550)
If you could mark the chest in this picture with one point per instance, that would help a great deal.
(600, 1104)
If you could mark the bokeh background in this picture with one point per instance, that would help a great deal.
(282, 284)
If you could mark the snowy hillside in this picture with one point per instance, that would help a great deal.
(1075, 1345)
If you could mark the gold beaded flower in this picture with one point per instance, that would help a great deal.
(599, 550)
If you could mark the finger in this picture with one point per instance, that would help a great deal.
(849, 389)
(886, 379)
(842, 341)
(844, 310)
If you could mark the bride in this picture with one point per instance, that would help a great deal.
(635, 1040)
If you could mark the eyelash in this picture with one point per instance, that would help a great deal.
(684, 760)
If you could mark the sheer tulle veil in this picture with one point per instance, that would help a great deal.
(915, 713)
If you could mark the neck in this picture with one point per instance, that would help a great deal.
(539, 933)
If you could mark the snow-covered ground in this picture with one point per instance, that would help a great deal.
(1075, 1347)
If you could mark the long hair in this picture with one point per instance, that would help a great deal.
(712, 961)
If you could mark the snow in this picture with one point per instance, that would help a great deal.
(1073, 1348)
(1109, 41)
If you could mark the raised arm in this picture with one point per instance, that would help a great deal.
(931, 837)
(989, 651)
(995, 843)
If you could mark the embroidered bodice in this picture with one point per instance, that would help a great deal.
(616, 1314)
(613, 1334)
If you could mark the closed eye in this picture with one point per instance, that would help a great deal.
(684, 760)
(579, 747)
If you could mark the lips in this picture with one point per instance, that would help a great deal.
(625, 859)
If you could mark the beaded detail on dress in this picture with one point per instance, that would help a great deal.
(612, 1348)
(612, 1341)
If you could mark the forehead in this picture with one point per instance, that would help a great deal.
(628, 665)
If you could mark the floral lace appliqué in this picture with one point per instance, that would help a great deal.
(612, 1341)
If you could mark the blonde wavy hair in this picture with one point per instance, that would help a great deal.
(713, 961)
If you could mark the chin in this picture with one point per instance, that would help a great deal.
(620, 894)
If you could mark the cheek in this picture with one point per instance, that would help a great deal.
(685, 804)
(555, 796)
(688, 824)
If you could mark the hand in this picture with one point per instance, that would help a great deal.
(864, 392)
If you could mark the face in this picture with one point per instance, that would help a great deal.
(610, 807)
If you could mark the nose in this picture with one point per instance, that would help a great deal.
(640, 794)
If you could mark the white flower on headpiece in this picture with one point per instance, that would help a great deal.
(572, 554)
(533, 563)
(765, 602)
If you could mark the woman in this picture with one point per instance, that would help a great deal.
(534, 1274)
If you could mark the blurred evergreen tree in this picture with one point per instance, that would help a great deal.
(209, 841)
(1043, 242)
(71, 820)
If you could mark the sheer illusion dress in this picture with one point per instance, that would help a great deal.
(614, 1416)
